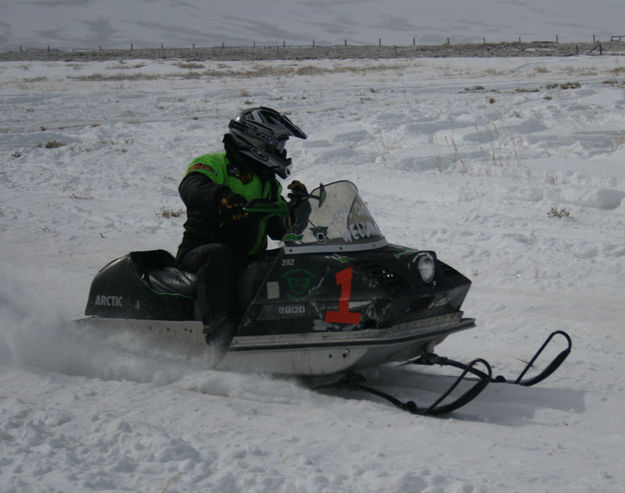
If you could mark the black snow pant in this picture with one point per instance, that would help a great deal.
(217, 269)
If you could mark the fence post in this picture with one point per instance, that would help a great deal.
(379, 41)
(345, 42)
(313, 43)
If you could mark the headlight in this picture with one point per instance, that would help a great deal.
(426, 266)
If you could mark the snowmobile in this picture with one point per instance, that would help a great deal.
(335, 297)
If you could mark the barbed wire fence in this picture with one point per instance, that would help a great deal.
(345, 49)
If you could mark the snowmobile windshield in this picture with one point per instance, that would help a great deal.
(339, 221)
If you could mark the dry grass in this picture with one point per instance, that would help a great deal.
(559, 213)
(53, 144)
(222, 71)
(76, 196)
(114, 77)
(190, 65)
(122, 66)
(287, 71)
(564, 85)
(169, 213)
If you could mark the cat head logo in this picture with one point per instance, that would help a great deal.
(298, 283)
(320, 233)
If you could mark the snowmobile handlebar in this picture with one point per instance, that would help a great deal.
(281, 208)
(267, 208)
(301, 195)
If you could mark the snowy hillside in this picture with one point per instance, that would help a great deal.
(469, 158)
(88, 24)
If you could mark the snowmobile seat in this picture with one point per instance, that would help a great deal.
(157, 269)
(143, 285)
(171, 280)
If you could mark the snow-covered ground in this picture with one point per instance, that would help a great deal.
(466, 157)
(88, 24)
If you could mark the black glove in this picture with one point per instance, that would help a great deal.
(298, 191)
(231, 207)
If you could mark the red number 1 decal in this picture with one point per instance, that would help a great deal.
(343, 315)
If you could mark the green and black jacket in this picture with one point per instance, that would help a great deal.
(208, 179)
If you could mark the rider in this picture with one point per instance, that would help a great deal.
(220, 239)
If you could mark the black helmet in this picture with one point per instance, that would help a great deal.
(260, 135)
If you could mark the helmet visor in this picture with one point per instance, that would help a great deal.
(281, 144)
